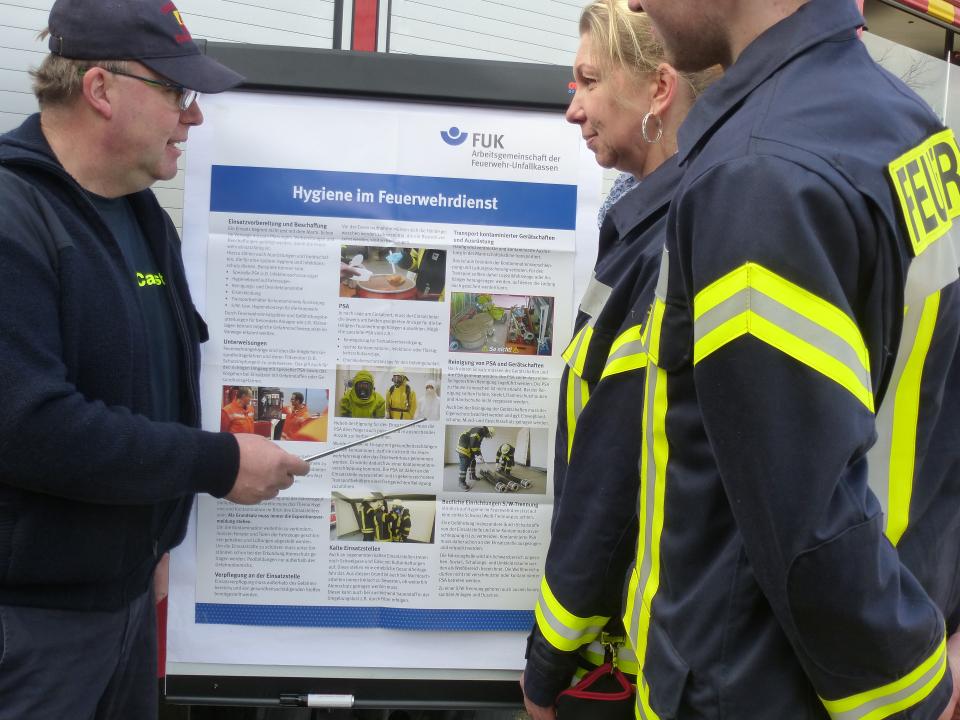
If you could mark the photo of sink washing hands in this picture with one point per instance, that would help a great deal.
(498, 459)
(392, 273)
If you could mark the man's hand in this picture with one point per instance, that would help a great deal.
(265, 470)
(537, 712)
(952, 711)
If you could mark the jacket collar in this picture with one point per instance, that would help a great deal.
(27, 141)
(648, 198)
(810, 25)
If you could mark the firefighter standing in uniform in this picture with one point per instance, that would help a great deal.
(401, 398)
(368, 522)
(380, 525)
(807, 283)
(361, 399)
(595, 470)
(468, 448)
(295, 415)
(404, 522)
(237, 416)
(389, 523)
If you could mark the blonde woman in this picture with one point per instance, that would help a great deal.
(629, 104)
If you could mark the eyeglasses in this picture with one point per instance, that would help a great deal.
(185, 96)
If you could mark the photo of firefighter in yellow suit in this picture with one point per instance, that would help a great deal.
(362, 400)
(401, 398)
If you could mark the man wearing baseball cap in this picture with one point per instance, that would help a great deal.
(100, 448)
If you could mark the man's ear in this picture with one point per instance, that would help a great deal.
(96, 86)
(666, 82)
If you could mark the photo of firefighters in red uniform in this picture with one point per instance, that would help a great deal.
(297, 414)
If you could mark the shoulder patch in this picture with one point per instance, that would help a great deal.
(926, 180)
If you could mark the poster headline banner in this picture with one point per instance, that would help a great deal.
(282, 191)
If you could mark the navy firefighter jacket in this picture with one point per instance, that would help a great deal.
(799, 419)
(595, 467)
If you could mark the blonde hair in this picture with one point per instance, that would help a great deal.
(625, 39)
(59, 80)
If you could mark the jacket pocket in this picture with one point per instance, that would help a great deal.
(666, 673)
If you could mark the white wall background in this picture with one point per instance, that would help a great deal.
(541, 31)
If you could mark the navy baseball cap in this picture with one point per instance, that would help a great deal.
(149, 31)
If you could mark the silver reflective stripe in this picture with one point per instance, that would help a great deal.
(595, 297)
(933, 270)
(661, 291)
(648, 495)
(787, 319)
(884, 702)
(577, 349)
(570, 634)
(578, 401)
(633, 347)
(643, 689)
(878, 457)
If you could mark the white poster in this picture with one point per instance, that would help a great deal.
(361, 264)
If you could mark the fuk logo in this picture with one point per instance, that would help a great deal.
(453, 136)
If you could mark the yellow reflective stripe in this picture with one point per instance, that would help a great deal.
(583, 350)
(561, 628)
(637, 361)
(928, 274)
(797, 348)
(906, 412)
(576, 354)
(595, 654)
(893, 697)
(571, 348)
(645, 580)
(656, 323)
(578, 393)
(803, 302)
(753, 300)
(630, 335)
(627, 353)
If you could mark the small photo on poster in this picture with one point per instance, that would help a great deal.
(369, 516)
(287, 413)
(504, 459)
(392, 273)
(389, 392)
(502, 324)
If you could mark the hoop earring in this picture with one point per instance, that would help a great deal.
(645, 131)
